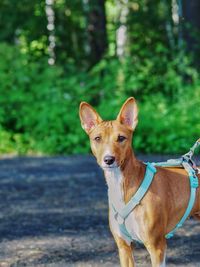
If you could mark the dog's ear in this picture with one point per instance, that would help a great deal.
(128, 114)
(88, 116)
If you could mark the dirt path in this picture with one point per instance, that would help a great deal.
(53, 212)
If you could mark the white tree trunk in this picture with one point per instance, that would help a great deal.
(121, 34)
(50, 27)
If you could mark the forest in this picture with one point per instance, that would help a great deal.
(56, 53)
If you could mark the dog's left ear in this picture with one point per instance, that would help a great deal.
(128, 114)
(88, 116)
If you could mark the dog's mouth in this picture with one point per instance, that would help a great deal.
(110, 167)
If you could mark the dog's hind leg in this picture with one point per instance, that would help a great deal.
(196, 216)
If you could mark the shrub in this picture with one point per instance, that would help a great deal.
(39, 104)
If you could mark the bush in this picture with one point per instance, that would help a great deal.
(169, 127)
(39, 104)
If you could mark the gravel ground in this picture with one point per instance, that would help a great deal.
(53, 212)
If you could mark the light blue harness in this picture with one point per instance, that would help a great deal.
(186, 162)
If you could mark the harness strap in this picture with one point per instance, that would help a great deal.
(125, 232)
(188, 164)
(169, 163)
(122, 226)
(194, 183)
(135, 200)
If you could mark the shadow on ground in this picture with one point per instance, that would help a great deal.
(53, 212)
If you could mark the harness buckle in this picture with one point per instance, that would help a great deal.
(119, 218)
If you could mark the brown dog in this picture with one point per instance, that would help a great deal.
(166, 199)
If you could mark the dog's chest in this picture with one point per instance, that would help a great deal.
(116, 198)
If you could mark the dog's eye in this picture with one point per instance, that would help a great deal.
(121, 138)
(97, 138)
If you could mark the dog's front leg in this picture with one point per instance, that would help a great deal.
(125, 252)
(157, 251)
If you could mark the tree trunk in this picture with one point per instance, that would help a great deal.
(121, 34)
(191, 26)
(97, 30)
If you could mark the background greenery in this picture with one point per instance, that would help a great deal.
(158, 65)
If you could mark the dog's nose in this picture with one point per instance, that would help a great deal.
(109, 160)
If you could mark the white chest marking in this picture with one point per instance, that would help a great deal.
(115, 190)
(114, 180)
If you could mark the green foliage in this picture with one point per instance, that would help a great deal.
(24, 22)
(39, 104)
(167, 127)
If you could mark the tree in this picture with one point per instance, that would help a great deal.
(96, 27)
(24, 23)
(191, 25)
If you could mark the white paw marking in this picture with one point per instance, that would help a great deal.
(163, 264)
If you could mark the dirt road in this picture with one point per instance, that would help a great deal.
(53, 212)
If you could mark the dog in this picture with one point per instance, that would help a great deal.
(163, 204)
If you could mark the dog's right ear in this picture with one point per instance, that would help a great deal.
(88, 116)
(128, 114)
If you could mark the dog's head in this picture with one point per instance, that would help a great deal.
(110, 140)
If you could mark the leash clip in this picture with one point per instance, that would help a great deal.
(188, 156)
(188, 159)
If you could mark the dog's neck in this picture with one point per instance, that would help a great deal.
(123, 181)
